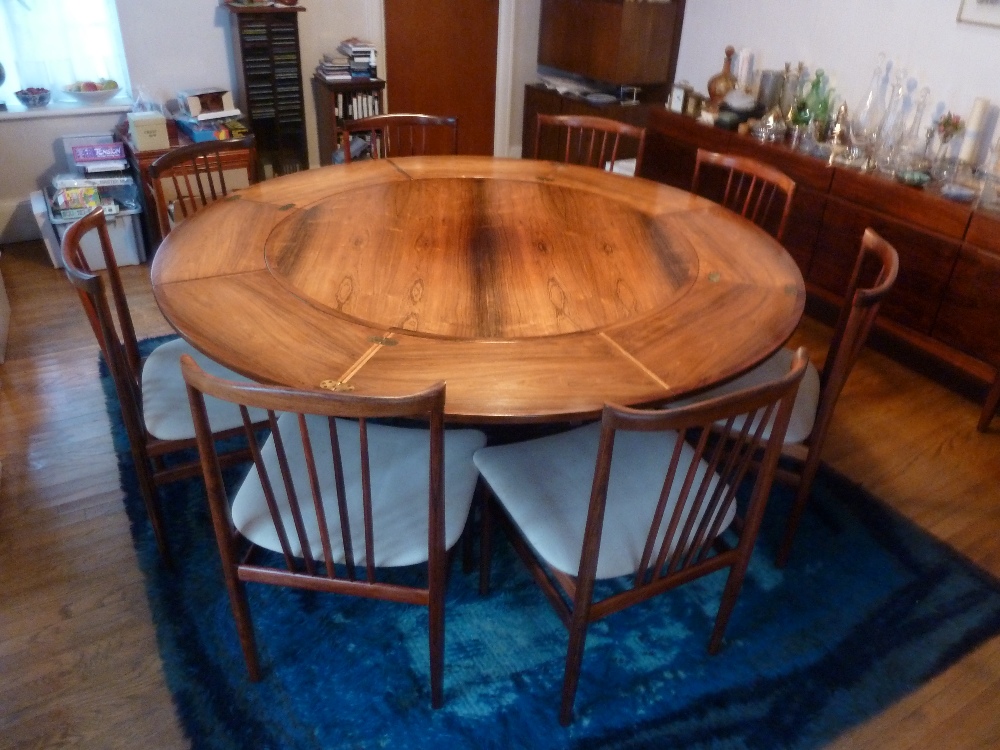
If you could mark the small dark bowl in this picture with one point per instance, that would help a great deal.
(33, 101)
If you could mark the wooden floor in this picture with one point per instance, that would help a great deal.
(78, 659)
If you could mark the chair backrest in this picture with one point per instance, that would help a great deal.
(874, 274)
(112, 327)
(403, 135)
(755, 190)
(591, 141)
(310, 437)
(723, 443)
(186, 179)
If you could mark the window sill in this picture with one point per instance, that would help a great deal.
(16, 111)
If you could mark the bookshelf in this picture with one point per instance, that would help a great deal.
(337, 101)
(269, 73)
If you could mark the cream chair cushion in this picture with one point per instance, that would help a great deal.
(165, 405)
(544, 485)
(399, 460)
(776, 366)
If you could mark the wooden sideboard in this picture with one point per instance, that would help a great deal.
(945, 307)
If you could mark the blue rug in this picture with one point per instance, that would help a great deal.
(869, 608)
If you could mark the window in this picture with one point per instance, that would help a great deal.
(53, 43)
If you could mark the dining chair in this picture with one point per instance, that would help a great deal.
(990, 405)
(646, 494)
(401, 135)
(873, 276)
(755, 190)
(589, 141)
(337, 496)
(150, 391)
(186, 179)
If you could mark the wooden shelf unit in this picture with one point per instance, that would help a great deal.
(618, 41)
(613, 43)
(336, 102)
(944, 311)
(269, 72)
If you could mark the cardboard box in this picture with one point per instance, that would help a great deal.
(148, 131)
(207, 104)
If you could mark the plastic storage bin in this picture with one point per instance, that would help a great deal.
(123, 229)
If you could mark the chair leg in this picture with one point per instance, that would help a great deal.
(734, 583)
(244, 625)
(486, 511)
(990, 405)
(802, 493)
(151, 499)
(574, 660)
(468, 541)
(435, 606)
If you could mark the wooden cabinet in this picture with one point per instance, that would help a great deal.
(926, 260)
(269, 71)
(337, 101)
(618, 41)
(539, 99)
(945, 305)
(969, 318)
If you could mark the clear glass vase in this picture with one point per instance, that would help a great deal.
(893, 124)
(867, 118)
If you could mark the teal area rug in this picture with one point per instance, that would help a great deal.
(869, 608)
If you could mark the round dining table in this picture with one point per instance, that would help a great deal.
(536, 291)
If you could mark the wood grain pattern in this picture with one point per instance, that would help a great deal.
(77, 645)
(445, 254)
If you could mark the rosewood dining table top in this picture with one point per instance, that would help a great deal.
(537, 291)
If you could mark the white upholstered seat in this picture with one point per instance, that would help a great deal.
(806, 400)
(399, 490)
(544, 485)
(164, 396)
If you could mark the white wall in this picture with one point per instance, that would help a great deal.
(957, 61)
(184, 43)
(168, 46)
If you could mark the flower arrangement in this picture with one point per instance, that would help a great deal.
(948, 126)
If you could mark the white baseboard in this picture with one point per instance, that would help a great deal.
(17, 222)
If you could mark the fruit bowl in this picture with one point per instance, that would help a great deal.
(33, 98)
(90, 97)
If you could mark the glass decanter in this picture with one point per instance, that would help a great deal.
(891, 130)
(910, 153)
(868, 118)
(790, 92)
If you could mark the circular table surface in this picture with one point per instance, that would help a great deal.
(537, 291)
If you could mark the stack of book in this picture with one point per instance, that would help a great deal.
(360, 56)
(333, 68)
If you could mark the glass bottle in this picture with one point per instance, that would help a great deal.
(868, 117)
(790, 92)
(722, 83)
(910, 154)
(893, 123)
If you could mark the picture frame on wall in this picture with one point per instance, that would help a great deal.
(982, 12)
